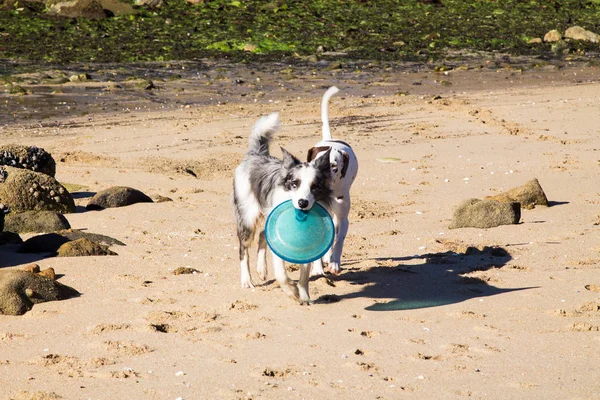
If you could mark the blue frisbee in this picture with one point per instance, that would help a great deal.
(299, 236)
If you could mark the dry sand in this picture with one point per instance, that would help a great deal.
(413, 313)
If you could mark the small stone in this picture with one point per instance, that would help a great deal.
(552, 36)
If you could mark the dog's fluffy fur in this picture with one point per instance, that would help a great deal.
(262, 182)
(344, 168)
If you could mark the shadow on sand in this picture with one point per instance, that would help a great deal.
(427, 280)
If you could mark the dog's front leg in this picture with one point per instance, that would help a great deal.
(284, 282)
(261, 260)
(303, 284)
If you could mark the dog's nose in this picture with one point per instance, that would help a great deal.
(302, 203)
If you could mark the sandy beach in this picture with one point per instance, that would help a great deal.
(419, 310)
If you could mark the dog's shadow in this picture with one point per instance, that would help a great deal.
(428, 280)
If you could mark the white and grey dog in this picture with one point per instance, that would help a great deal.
(262, 182)
(344, 168)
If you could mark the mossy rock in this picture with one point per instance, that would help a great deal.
(36, 221)
(20, 290)
(117, 196)
(28, 157)
(529, 195)
(476, 213)
(83, 247)
(24, 190)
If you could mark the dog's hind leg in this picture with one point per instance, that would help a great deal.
(304, 297)
(336, 251)
(261, 263)
(245, 236)
(317, 268)
(284, 282)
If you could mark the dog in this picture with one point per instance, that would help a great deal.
(261, 182)
(344, 168)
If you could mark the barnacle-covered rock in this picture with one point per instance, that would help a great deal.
(28, 157)
(25, 190)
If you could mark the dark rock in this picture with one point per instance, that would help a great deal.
(25, 190)
(28, 157)
(3, 210)
(36, 221)
(20, 290)
(74, 234)
(10, 237)
(529, 195)
(47, 243)
(117, 196)
(51, 242)
(476, 213)
(83, 247)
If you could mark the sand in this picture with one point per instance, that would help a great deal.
(418, 311)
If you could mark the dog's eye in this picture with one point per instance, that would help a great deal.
(295, 184)
(315, 189)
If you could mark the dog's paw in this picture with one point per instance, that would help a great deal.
(334, 267)
(291, 290)
(304, 297)
(247, 284)
(317, 268)
(261, 269)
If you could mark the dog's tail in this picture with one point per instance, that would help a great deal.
(262, 132)
(325, 113)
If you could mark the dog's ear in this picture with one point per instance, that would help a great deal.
(322, 162)
(312, 153)
(346, 162)
(289, 160)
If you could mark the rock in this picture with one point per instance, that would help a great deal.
(529, 195)
(3, 210)
(51, 242)
(536, 40)
(185, 270)
(83, 247)
(36, 221)
(74, 234)
(552, 36)
(28, 157)
(10, 237)
(20, 290)
(476, 213)
(25, 190)
(79, 78)
(91, 9)
(117, 8)
(116, 196)
(151, 4)
(578, 33)
(47, 243)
